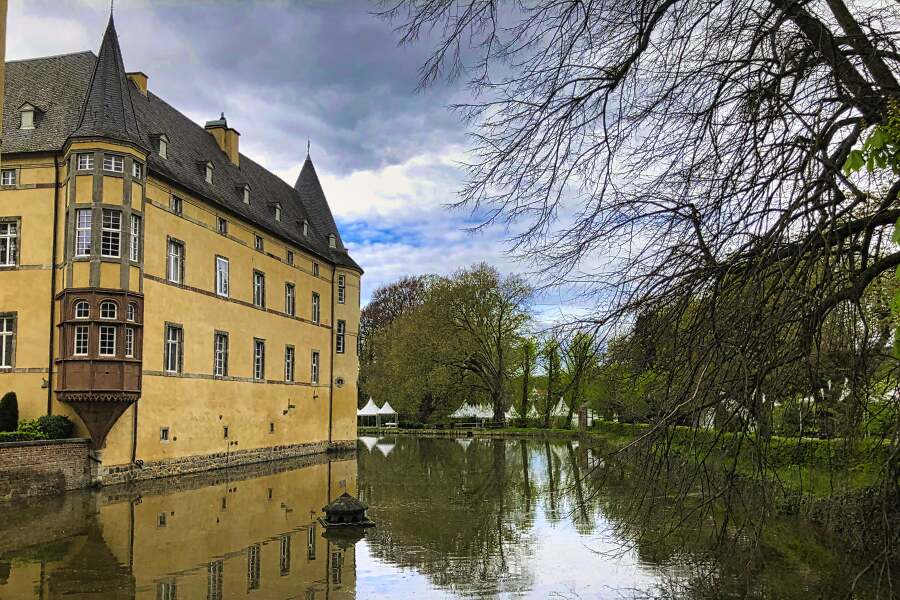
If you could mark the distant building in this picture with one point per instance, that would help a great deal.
(172, 296)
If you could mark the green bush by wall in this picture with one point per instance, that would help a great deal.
(9, 412)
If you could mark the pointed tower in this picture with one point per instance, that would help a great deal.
(99, 303)
(344, 318)
(108, 112)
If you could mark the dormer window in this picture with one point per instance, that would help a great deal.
(304, 226)
(27, 112)
(162, 145)
(246, 192)
(209, 172)
(332, 240)
(278, 212)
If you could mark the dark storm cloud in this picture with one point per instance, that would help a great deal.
(282, 72)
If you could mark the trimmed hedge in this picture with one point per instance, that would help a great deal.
(48, 427)
(9, 412)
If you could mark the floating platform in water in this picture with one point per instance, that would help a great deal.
(346, 512)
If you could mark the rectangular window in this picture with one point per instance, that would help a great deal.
(8, 177)
(311, 542)
(220, 355)
(222, 224)
(7, 341)
(177, 205)
(253, 567)
(9, 238)
(222, 276)
(137, 170)
(259, 289)
(85, 162)
(166, 590)
(135, 248)
(258, 242)
(290, 299)
(164, 434)
(314, 368)
(129, 342)
(174, 352)
(107, 345)
(83, 218)
(113, 163)
(175, 262)
(259, 359)
(285, 560)
(111, 236)
(82, 340)
(342, 289)
(339, 338)
(316, 269)
(290, 257)
(215, 576)
(289, 363)
(316, 310)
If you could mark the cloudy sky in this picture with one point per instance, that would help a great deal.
(286, 71)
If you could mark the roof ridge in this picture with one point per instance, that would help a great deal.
(49, 56)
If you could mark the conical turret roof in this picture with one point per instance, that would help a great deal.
(108, 111)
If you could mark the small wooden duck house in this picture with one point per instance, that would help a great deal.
(346, 511)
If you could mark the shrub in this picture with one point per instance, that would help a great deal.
(9, 412)
(20, 436)
(55, 427)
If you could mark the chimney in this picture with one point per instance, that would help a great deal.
(227, 138)
(140, 80)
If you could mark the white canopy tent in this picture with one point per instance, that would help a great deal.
(385, 448)
(386, 414)
(473, 411)
(368, 442)
(367, 412)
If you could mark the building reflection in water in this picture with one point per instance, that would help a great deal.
(215, 535)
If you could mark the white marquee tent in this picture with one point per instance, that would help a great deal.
(386, 414)
(368, 413)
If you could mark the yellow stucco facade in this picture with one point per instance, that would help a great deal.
(94, 224)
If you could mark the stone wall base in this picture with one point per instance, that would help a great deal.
(119, 474)
(43, 467)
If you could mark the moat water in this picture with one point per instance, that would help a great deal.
(469, 518)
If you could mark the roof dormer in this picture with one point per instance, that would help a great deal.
(161, 144)
(332, 240)
(245, 192)
(304, 227)
(207, 167)
(27, 112)
(276, 209)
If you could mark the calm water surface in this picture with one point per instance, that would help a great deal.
(456, 519)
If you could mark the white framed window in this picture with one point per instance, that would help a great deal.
(342, 289)
(259, 359)
(316, 307)
(253, 554)
(290, 299)
(332, 240)
(82, 309)
(284, 560)
(259, 289)
(222, 224)
(278, 212)
(26, 112)
(113, 163)
(289, 363)
(314, 368)
(209, 172)
(258, 242)
(9, 242)
(7, 340)
(163, 147)
(215, 580)
(173, 359)
(246, 194)
(137, 170)
(107, 346)
(85, 161)
(81, 341)
(108, 310)
(134, 249)
(339, 337)
(176, 204)
(129, 342)
(222, 276)
(220, 354)
(8, 177)
(131, 312)
(83, 219)
(111, 235)
(305, 227)
(175, 262)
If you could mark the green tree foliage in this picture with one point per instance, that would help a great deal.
(9, 412)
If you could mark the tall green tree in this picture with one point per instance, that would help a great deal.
(9, 412)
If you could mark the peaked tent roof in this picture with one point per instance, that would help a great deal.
(108, 111)
(473, 411)
(385, 448)
(368, 441)
(369, 410)
(387, 409)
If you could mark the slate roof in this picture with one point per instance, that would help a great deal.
(345, 503)
(79, 95)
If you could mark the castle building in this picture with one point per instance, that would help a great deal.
(182, 304)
